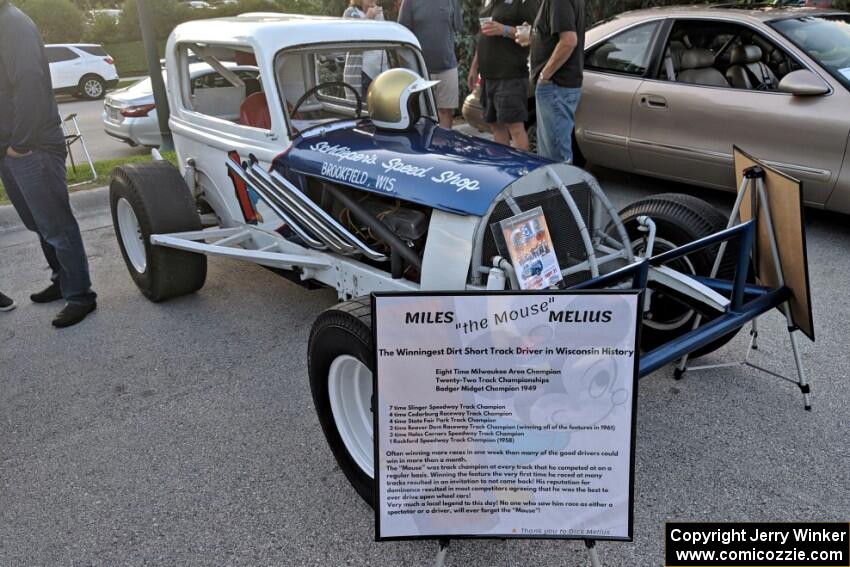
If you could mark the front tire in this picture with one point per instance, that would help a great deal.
(340, 367)
(92, 87)
(152, 198)
(679, 219)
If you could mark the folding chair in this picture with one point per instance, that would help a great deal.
(72, 133)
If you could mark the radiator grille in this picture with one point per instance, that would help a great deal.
(566, 237)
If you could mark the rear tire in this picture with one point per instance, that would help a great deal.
(152, 198)
(340, 366)
(92, 87)
(679, 219)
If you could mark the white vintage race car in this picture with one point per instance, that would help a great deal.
(291, 172)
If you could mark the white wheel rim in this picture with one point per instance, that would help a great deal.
(350, 392)
(93, 88)
(131, 235)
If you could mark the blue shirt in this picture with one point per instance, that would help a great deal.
(29, 117)
(434, 23)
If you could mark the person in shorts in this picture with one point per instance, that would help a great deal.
(503, 66)
(436, 24)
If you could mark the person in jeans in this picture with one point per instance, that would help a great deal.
(32, 164)
(503, 67)
(436, 23)
(557, 62)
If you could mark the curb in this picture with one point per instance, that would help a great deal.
(91, 207)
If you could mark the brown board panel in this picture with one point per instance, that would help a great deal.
(785, 199)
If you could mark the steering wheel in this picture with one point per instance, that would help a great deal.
(317, 88)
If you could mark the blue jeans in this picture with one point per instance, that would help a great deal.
(36, 186)
(556, 118)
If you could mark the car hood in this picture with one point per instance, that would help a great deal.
(428, 165)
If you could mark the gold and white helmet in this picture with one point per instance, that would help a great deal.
(393, 99)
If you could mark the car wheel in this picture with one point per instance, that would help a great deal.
(340, 366)
(92, 87)
(679, 219)
(147, 199)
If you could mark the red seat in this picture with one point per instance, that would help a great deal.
(254, 112)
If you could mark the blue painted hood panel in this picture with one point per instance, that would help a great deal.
(428, 165)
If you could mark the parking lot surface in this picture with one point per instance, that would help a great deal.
(184, 433)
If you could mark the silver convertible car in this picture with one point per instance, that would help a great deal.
(668, 92)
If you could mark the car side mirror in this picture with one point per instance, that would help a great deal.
(803, 83)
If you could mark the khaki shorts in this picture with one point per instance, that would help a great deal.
(447, 92)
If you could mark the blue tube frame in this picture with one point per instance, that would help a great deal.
(747, 301)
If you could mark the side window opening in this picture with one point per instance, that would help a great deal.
(59, 54)
(224, 82)
(723, 54)
(628, 52)
(95, 50)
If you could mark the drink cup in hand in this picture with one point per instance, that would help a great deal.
(523, 35)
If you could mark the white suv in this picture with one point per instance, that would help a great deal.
(79, 69)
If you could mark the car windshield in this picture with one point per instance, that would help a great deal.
(826, 39)
(338, 76)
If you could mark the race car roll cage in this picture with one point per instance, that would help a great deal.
(733, 304)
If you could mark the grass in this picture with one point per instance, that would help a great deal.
(130, 57)
(104, 173)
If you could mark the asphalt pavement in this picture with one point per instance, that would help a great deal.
(184, 433)
(90, 120)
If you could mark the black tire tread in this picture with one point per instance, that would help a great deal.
(701, 216)
(353, 318)
(688, 215)
(163, 205)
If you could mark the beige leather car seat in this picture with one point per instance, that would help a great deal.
(697, 68)
(748, 71)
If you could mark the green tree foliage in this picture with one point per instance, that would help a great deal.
(59, 21)
(103, 29)
(165, 14)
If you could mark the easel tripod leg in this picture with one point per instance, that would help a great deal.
(801, 372)
(594, 554)
(440, 560)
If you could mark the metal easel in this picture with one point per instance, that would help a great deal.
(753, 183)
(440, 560)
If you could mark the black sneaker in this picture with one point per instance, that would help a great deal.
(73, 313)
(6, 303)
(48, 294)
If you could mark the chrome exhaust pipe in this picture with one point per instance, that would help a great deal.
(283, 184)
(275, 206)
(320, 216)
(308, 220)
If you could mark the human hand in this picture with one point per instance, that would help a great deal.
(541, 81)
(492, 29)
(14, 155)
(471, 79)
(523, 34)
(373, 12)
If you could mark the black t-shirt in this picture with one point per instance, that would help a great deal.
(501, 57)
(555, 17)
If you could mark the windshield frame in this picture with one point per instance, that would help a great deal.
(776, 25)
(311, 48)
